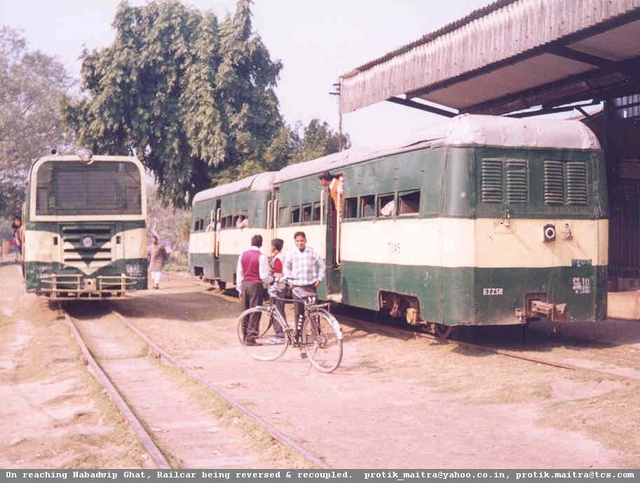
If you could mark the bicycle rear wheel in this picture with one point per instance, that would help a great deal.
(261, 333)
(322, 339)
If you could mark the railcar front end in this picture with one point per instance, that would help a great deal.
(85, 235)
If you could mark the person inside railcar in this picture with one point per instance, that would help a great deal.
(242, 222)
(335, 186)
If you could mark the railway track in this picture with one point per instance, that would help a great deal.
(129, 370)
(616, 362)
(382, 392)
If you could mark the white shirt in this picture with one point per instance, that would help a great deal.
(263, 269)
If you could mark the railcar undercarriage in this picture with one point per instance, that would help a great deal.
(74, 286)
(407, 307)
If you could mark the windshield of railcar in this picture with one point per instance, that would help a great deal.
(81, 188)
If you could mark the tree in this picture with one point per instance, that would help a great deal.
(193, 99)
(170, 225)
(31, 87)
(320, 140)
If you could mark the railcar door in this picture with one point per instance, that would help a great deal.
(215, 247)
(333, 229)
(272, 214)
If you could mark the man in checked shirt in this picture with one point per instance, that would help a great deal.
(305, 269)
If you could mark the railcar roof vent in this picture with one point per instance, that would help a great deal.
(576, 183)
(553, 182)
(491, 183)
(517, 181)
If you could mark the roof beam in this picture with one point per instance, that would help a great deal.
(421, 106)
(588, 85)
(566, 52)
(554, 109)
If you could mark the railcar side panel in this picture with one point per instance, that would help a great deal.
(222, 226)
(489, 221)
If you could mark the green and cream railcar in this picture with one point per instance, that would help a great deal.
(224, 219)
(85, 235)
(481, 221)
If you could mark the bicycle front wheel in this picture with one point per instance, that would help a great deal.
(261, 333)
(322, 339)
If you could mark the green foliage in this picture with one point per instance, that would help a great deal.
(319, 140)
(171, 225)
(192, 98)
(31, 87)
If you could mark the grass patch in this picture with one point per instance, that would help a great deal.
(600, 417)
(250, 435)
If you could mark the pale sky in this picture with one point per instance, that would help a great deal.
(316, 40)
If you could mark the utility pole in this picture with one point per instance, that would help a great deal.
(336, 86)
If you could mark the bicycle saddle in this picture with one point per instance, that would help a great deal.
(302, 293)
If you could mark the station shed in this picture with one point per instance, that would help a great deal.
(532, 58)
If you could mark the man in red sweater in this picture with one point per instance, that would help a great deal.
(251, 271)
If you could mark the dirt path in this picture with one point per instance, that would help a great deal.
(53, 415)
(393, 403)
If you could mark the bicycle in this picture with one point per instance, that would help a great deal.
(319, 335)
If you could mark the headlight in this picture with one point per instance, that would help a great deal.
(87, 241)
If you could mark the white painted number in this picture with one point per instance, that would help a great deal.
(581, 285)
(493, 291)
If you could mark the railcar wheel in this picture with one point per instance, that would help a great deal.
(443, 331)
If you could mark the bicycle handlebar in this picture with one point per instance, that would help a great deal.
(308, 298)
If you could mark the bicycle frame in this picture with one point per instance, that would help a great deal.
(319, 336)
(309, 307)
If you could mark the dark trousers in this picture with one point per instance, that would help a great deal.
(279, 303)
(298, 307)
(252, 295)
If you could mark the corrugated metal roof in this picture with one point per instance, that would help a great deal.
(507, 56)
(464, 130)
(256, 182)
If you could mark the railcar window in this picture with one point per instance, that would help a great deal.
(351, 208)
(242, 220)
(306, 213)
(316, 212)
(295, 215)
(409, 203)
(283, 215)
(78, 188)
(367, 206)
(386, 205)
